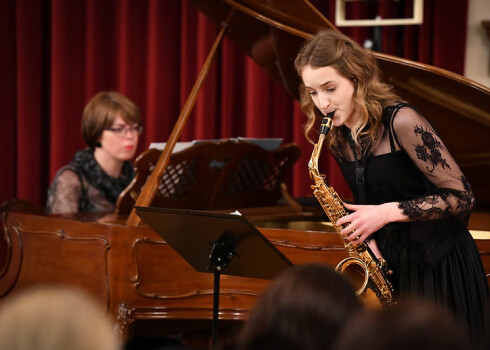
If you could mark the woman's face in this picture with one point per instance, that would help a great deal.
(331, 92)
(120, 140)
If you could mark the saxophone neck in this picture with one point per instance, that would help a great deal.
(326, 125)
(315, 155)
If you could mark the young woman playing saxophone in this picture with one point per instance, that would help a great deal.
(411, 197)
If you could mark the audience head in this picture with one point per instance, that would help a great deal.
(408, 325)
(55, 318)
(304, 308)
(101, 112)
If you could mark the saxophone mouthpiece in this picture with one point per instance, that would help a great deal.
(326, 123)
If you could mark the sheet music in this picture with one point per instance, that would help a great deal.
(268, 144)
(179, 146)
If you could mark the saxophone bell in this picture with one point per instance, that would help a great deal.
(356, 271)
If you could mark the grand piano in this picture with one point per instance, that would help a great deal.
(141, 280)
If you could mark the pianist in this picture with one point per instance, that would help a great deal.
(93, 180)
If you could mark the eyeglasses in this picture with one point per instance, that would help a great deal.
(121, 131)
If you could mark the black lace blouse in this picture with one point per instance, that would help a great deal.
(409, 164)
(83, 186)
(433, 256)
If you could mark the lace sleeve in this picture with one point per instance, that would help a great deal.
(64, 194)
(453, 195)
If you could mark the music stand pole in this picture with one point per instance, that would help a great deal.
(221, 254)
(214, 329)
(191, 232)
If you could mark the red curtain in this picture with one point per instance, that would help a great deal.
(57, 54)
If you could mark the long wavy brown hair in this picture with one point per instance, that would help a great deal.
(332, 48)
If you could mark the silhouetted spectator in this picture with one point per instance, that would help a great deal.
(304, 308)
(409, 325)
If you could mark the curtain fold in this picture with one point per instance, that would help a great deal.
(57, 54)
(8, 87)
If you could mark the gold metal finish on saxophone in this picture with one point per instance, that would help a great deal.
(362, 268)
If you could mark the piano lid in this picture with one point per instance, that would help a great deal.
(271, 32)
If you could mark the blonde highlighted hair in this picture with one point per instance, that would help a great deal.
(56, 318)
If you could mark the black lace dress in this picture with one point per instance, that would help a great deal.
(433, 256)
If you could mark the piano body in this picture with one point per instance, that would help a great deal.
(141, 280)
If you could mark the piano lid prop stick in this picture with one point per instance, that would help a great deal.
(148, 191)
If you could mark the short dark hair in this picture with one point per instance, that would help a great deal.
(101, 111)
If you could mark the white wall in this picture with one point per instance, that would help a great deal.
(477, 56)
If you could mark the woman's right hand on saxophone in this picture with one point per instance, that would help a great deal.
(364, 220)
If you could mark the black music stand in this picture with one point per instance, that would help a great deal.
(216, 243)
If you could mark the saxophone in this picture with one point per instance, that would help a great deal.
(362, 268)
